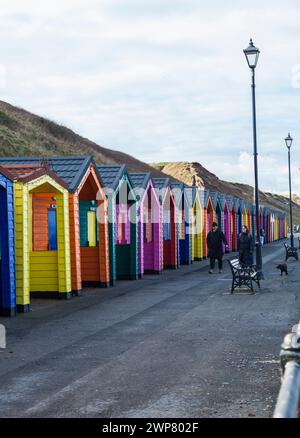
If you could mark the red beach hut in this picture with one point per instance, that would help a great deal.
(170, 236)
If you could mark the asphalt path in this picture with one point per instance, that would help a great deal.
(175, 345)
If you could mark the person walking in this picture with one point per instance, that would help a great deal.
(245, 247)
(215, 240)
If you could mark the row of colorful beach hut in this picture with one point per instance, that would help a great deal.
(67, 223)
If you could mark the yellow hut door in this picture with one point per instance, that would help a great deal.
(92, 239)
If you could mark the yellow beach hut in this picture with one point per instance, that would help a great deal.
(42, 244)
(196, 222)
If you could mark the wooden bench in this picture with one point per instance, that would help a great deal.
(243, 275)
(290, 252)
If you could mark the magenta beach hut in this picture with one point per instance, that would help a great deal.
(226, 220)
(218, 212)
(184, 203)
(232, 213)
(150, 230)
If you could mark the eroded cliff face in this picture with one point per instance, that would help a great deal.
(194, 173)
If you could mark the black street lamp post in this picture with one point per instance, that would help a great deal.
(289, 142)
(252, 54)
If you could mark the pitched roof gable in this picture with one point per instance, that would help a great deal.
(69, 169)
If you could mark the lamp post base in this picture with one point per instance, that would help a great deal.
(260, 273)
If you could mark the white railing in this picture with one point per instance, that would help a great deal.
(288, 399)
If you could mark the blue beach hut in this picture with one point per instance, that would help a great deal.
(7, 247)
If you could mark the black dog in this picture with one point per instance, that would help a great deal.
(283, 268)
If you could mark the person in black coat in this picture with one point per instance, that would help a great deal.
(215, 240)
(245, 247)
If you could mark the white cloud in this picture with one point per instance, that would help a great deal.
(160, 79)
(272, 171)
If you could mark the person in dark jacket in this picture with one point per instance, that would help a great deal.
(215, 240)
(245, 247)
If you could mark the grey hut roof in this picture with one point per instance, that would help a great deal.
(247, 205)
(180, 189)
(241, 204)
(195, 191)
(238, 204)
(201, 196)
(204, 197)
(70, 169)
(215, 198)
(230, 202)
(250, 206)
(140, 180)
(161, 185)
(190, 193)
(112, 174)
(222, 200)
(178, 185)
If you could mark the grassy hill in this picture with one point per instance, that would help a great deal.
(24, 133)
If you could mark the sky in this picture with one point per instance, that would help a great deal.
(162, 80)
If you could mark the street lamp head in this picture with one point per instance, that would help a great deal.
(289, 141)
(252, 54)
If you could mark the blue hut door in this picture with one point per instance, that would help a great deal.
(52, 230)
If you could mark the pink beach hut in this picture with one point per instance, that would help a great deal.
(150, 231)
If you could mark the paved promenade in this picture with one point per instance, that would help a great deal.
(174, 345)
